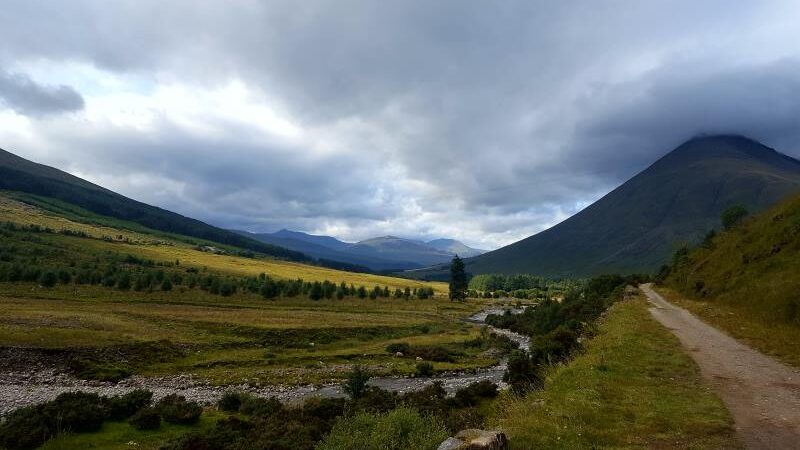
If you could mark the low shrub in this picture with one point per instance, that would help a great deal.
(147, 418)
(423, 369)
(230, 402)
(522, 374)
(375, 400)
(400, 429)
(472, 394)
(401, 347)
(261, 407)
(89, 369)
(124, 406)
(28, 428)
(175, 409)
(356, 382)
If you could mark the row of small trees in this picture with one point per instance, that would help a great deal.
(148, 277)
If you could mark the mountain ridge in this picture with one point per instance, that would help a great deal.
(673, 201)
(382, 253)
(20, 174)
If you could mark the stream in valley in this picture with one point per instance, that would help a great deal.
(38, 384)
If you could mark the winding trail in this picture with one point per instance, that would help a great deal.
(762, 394)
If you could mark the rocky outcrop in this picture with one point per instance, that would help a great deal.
(473, 439)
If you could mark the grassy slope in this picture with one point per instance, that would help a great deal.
(19, 174)
(232, 338)
(748, 282)
(159, 246)
(634, 387)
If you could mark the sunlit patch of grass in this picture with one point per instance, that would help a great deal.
(136, 240)
(122, 436)
(634, 387)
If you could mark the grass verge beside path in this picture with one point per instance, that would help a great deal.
(777, 339)
(633, 387)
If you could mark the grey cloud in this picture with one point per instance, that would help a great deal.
(498, 117)
(25, 96)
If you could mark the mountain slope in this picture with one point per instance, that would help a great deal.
(754, 265)
(325, 241)
(636, 226)
(455, 247)
(19, 174)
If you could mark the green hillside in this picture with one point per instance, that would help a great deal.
(638, 225)
(19, 174)
(104, 299)
(746, 282)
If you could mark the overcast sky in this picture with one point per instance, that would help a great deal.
(481, 121)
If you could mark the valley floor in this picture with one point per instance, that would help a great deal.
(634, 387)
(762, 394)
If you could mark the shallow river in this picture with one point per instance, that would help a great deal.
(38, 385)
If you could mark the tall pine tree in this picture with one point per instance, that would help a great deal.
(458, 280)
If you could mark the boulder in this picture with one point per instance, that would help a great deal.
(474, 439)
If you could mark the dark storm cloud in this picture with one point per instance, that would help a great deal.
(25, 96)
(487, 120)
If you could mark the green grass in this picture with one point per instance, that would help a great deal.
(158, 246)
(229, 340)
(221, 339)
(122, 436)
(747, 281)
(634, 387)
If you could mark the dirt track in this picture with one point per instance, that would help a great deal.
(762, 394)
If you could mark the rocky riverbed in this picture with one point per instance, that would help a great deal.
(34, 382)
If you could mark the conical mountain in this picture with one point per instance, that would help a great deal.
(673, 202)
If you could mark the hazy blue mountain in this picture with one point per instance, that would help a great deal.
(327, 241)
(381, 253)
(311, 245)
(400, 249)
(455, 247)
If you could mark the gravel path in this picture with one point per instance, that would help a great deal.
(762, 394)
(36, 381)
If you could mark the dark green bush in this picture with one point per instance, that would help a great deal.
(89, 369)
(522, 374)
(28, 428)
(261, 407)
(77, 411)
(401, 347)
(175, 409)
(356, 382)
(373, 399)
(48, 279)
(230, 401)
(472, 395)
(423, 369)
(147, 418)
(123, 406)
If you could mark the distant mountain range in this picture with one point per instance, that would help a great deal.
(380, 254)
(638, 225)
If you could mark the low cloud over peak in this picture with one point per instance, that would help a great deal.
(481, 122)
